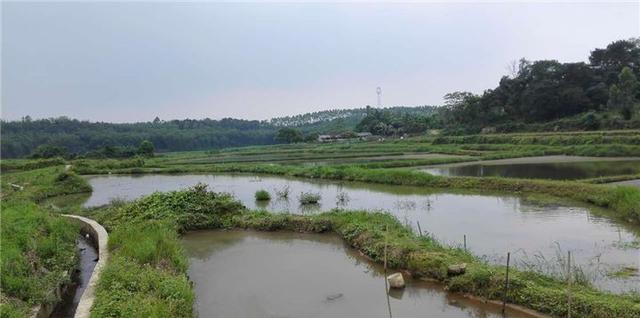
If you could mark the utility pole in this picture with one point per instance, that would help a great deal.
(379, 92)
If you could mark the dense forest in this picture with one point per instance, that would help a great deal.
(540, 95)
(22, 138)
(603, 93)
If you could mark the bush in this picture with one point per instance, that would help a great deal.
(309, 198)
(263, 195)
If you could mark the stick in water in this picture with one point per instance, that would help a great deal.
(386, 287)
(419, 229)
(568, 284)
(506, 286)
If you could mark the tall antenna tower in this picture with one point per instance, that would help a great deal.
(379, 92)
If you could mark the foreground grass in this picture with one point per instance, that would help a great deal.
(147, 275)
(38, 247)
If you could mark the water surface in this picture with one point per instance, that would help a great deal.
(250, 274)
(556, 167)
(538, 234)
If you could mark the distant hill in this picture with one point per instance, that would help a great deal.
(20, 138)
(338, 120)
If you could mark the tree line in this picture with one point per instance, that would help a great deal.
(548, 90)
(21, 138)
(536, 95)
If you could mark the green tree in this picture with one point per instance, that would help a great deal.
(610, 61)
(146, 148)
(623, 95)
(289, 135)
(50, 151)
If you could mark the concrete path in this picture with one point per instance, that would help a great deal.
(101, 237)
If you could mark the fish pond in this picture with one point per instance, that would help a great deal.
(537, 231)
(251, 274)
(549, 167)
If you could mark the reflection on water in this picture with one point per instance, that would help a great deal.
(249, 274)
(547, 170)
(536, 233)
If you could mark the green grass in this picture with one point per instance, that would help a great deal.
(40, 184)
(28, 164)
(151, 261)
(37, 246)
(38, 249)
(624, 272)
(146, 274)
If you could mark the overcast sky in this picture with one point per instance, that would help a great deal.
(126, 62)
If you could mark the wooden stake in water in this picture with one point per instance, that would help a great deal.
(568, 284)
(506, 286)
(386, 287)
(419, 229)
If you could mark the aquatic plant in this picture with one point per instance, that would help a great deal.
(283, 193)
(342, 198)
(262, 195)
(309, 198)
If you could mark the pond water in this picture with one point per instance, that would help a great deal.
(633, 183)
(250, 274)
(538, 234)
(556, 167)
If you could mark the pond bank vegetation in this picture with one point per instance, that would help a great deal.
(148, 272)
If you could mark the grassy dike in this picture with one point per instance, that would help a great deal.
(146, 275)
(38, 247)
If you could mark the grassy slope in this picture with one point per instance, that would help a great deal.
(147, 274)
(38, 247)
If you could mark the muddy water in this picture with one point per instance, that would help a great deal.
(88, 254)
(562, 168)
(250, 274)
(537, 234)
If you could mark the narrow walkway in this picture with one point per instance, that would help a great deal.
(101, 237)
